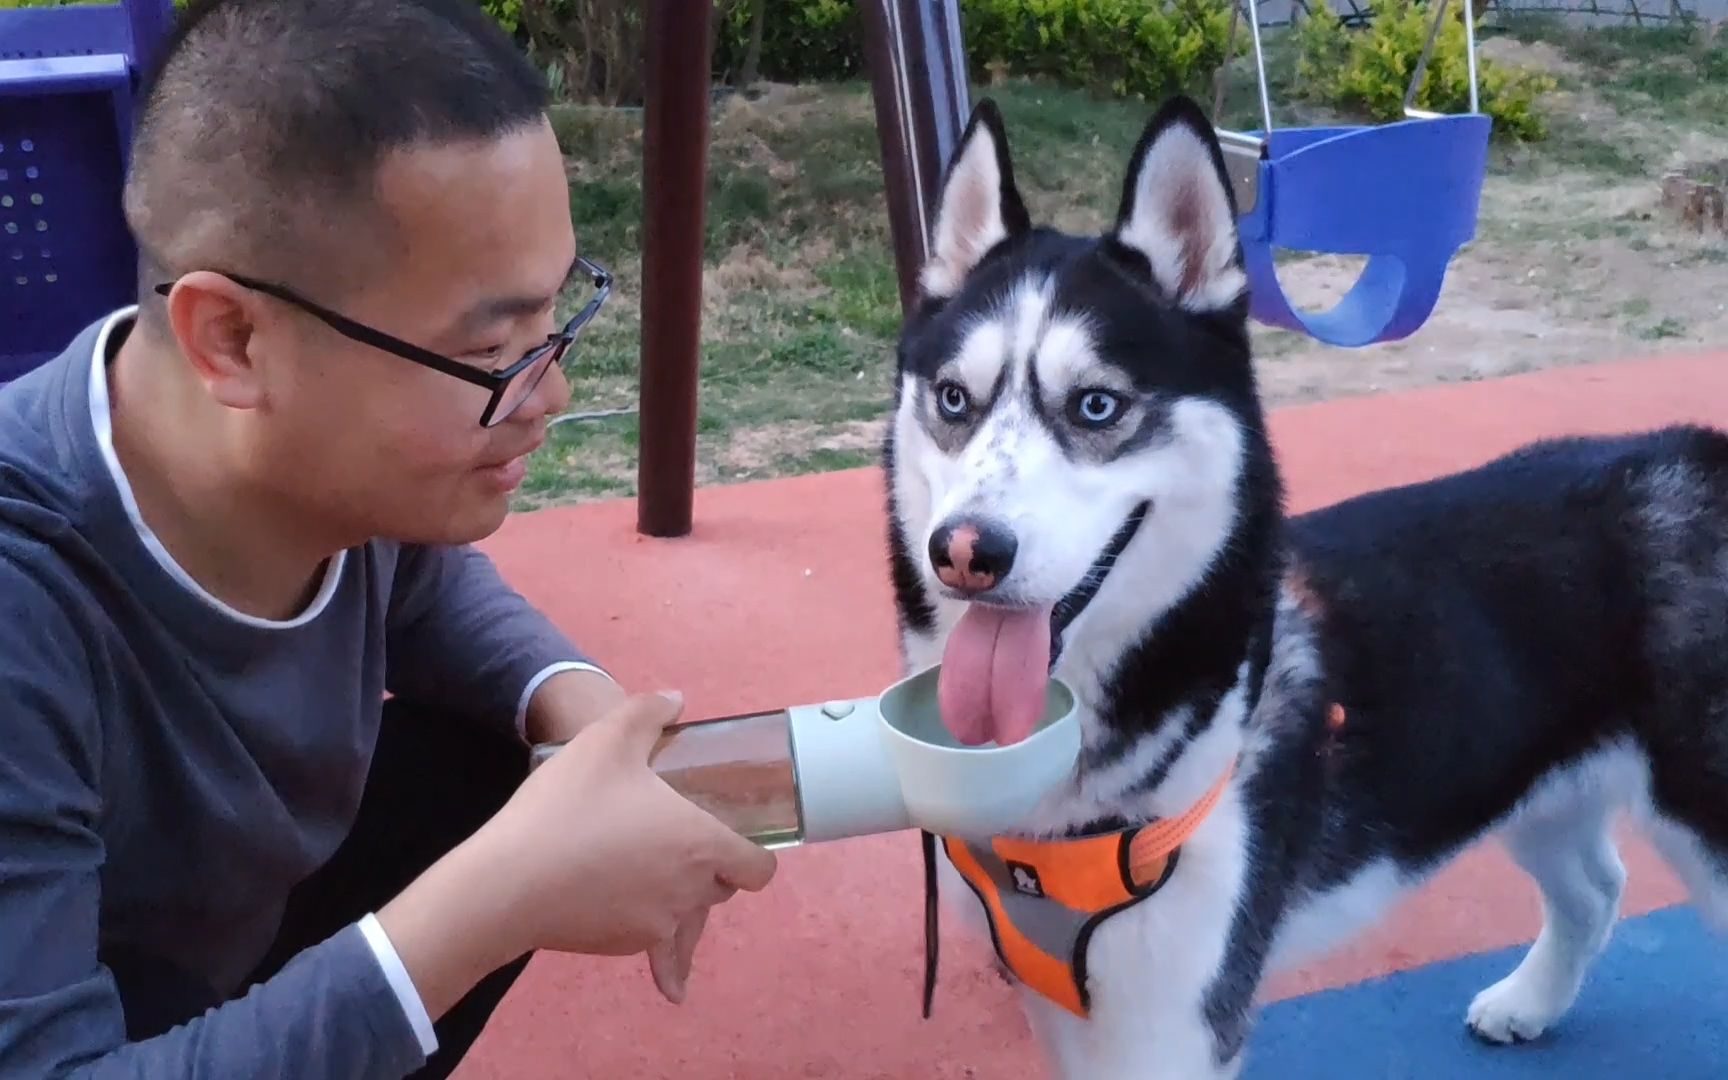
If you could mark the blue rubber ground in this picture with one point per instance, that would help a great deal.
(1654, 1008)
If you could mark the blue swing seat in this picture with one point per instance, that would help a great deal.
(1404, 194)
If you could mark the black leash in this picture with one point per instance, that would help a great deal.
(931, 944)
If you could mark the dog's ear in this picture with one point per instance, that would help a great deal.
(1179, 212)
(980, 205)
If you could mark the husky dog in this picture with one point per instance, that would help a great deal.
(1081, 483)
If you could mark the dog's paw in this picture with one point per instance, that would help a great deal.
(1509, 1012)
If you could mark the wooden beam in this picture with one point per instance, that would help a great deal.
(674, 190)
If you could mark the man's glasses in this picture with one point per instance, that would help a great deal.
(509, 386)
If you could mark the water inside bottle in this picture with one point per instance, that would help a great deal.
(740, 769)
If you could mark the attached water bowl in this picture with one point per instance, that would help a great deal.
(973, 791)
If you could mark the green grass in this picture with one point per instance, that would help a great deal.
(802, 300)
(1651, 81)
(1671, 67)
(801, 303)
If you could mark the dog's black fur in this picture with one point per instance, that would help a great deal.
(1482, 631)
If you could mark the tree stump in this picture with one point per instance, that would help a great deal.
(1698, 194)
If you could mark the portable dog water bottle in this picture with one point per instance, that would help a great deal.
(814, 773)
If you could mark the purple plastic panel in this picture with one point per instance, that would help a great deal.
(66, 255)
(63, 74)
(32, 33)
(67, 78)
(150, 22)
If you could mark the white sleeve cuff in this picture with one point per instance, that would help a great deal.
(397, 976)
(544, 674)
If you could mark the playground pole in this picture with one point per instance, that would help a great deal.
(674, 188)
(917, 62)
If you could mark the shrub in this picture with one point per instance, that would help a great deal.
(507, 12)
(1369, 69)
(592, 50)
(1130, 48)
(1133, 48)
(802, 40)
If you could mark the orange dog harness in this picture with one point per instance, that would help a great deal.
(1045, 898)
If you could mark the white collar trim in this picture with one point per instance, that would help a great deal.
(101, 418)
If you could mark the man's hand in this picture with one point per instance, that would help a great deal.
(568, 702)
(594, 854)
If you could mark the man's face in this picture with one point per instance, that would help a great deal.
(377, 445)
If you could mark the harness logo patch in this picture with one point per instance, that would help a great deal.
(1025, 879)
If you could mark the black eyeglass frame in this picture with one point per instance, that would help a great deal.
(493, 381)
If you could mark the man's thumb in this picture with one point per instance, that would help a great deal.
(747, 866)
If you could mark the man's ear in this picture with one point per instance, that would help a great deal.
(980, 206)
(212, 320)
(1179, 212)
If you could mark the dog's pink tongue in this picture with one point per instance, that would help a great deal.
(995, 672)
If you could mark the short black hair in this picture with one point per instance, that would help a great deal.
(263, 123)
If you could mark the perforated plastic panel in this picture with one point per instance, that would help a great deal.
(34, 33)
(67, 76)
(65, 254)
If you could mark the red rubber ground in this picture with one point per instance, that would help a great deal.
(780, 596)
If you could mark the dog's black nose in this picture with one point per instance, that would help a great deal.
(972, 556)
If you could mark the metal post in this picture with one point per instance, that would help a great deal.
(917, 62)
(674, 190)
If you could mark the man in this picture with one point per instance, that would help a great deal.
(234, 518)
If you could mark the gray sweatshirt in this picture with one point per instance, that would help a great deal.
(171, 767)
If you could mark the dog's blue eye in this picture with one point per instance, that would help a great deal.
(1096, 408)
(953, 400)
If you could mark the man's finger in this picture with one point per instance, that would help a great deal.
(684, 946)
(662, 964)
(670, 961)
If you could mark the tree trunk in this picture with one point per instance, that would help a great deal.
(752, 69)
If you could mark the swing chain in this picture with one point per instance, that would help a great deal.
(1410, 93)
(1410, 109)
(1243, 152)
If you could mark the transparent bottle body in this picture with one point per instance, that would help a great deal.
(741, 770)
(738, 768)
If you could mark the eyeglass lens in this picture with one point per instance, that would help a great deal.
(521, 385)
